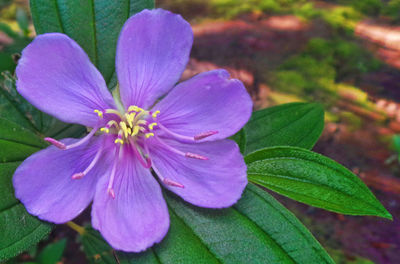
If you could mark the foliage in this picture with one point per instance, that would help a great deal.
(257, 228)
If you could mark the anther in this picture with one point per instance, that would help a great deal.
(111, 192)
(205, 134)
(124, 128)
(119, 141)
(152, 125)
(99, 113)
(134, 108)
(172, 183)
(154, 114)
(195, 156)
(135, 130)
(78, 176)
(147, 135)
(55, 142)
(130, 118)
(105, 130)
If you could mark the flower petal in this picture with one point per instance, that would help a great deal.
(138, 216)
(152, 53)
(55, 75)
(215, 183)
(44, 185)
(209, 101)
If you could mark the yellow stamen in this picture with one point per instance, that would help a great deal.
(141, 122)
(99, 113)
(130, 118)
(104, 129)
(134, 108)
(113, 111)
(112, 122)
(138, 116)
(147, 135)
(118, 140)
(135, 130)
(124, 128)
(152, 125)
(154, 115)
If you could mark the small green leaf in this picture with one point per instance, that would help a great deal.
(19, 110)
(95, 25)
(257, 229)
(294, 124)
(313, 179)
(240, 139)
(52, 253)
(19, 230)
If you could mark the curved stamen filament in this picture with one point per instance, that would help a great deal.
(96, 158)
(144, 161)
(185, 154)
(114, 112)
(187, 138)
(61, 145)
(110, 190)
(167, 181)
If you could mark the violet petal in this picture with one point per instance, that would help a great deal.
(152, 53)
(55, 75)
(44, 184)
(209, 101)
(138, 216)
(215, 183)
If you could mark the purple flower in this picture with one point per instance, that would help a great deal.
(181, 137)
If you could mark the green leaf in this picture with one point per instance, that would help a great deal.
(19, 230)
(294, 124)
(240, 139)
(52, 253)
(17, 142)
(257, 229)
(10, 109)
(313, 179)
(95, 25)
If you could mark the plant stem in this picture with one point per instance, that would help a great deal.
(76, 227)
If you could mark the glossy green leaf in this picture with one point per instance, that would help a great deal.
(294, 124)
(313, 179)
(240, 139)
(94, 24)
(256, 230)
(19, 230)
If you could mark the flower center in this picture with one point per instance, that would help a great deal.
(130, 126)
(130, 131)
